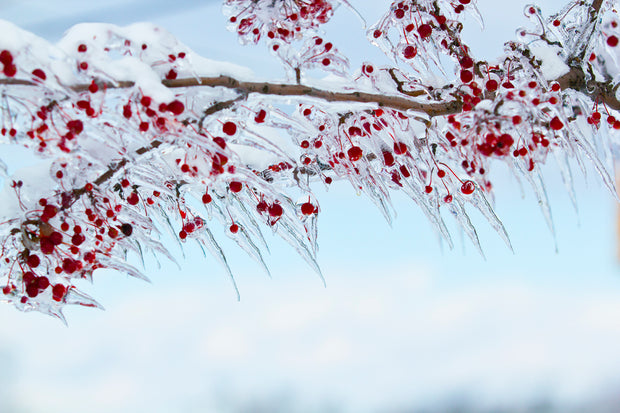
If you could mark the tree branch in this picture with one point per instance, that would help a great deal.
(279, 89)
(282, 89)
(575, 79)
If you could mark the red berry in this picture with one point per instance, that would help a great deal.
(275, 210)
(39, 73)
(491, 85)
(145, 101)
(10, 70)
(50, 211)
(355, 153)
(260, 116)
(133, 199)
(388, 158)
(468, 187)
(206, 198)
(127, 111)
(400, 148)
(77, 239)
(556, 123)
(43, 283)
(307, 208)
(175, 107)
(466, 76)
(33, 261)
(58, 292)
(261, 207)
(404, 171)
(229, 128)
(234, 228)
(410, 52)
(32, 290)
(467, 62)
(220, 142)
(236, 186)
(6, 58)
(82, 48)
(56, 238)
(425, 30)
(612, 41)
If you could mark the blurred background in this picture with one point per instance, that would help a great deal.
(404, 324)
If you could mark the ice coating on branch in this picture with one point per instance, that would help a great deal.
(126, 153)
(142, 136)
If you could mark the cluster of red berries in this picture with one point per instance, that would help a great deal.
(9, 69)
(419, 21)
(190, 226)
(43, 134)
(158, 116)
(318, 52)
(273, 211)
(595, 119)
(291, 17)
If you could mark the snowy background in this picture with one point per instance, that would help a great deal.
(403, 324)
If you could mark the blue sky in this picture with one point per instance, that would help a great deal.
(403, 324)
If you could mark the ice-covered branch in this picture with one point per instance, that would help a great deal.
(283, 89)
(145, 136)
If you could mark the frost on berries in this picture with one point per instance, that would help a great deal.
(133, 149)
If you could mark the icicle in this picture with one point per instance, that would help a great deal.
(479, 201)
(567, 177)
(462, 218)
(245, 242)
(74, 296)
(291, 236)
(538, 187)
(216, 251)
(123, 267)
